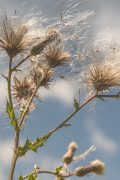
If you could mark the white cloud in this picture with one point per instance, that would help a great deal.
(3, 91)
(101, 139)
(5, 152)
(62, 90)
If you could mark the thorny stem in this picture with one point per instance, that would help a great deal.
(55, 173)
(34, 172)
(14, 159)
(17, 131)
(72, 114)
(29, 103)
(15, 156)
(69, 117)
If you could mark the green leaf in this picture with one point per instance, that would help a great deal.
(11, 115)
(32, 145)
(31, 177)
(76, 104)
(21, 178)
(58, 169)
(10, 111)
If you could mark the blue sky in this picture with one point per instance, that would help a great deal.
(98, 123)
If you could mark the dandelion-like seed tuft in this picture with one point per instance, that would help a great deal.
(39, 47)
(102, 77)
(56, 56)
(16, 35)
(23, 89)
(96, 166)
(68, 157)
(41, 74)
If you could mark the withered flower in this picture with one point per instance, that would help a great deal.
(56, 56)
(23, 89)
(16, 35)
(96, 166)
(102, 77)
(41, 74)
(68, 157)
(39, 47)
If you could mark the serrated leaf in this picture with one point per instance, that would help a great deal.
(32, 145)
(10, 111)
(76, 104)
(14, 123)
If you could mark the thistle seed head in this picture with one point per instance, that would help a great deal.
(41, 74)
(39, 47)
(56, 56)
(16, 36)
(97, 167)
(23, 89)
(68, 157)
(102, 77)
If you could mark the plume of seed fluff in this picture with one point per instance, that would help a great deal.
(39, 47)
(23, 89)
(55, 55)
(41, 74)
(102, 76)
(96, 167)
(17, 35)
(68, 157)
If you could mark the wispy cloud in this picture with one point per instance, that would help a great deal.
(3, 91)
(62, 90)
(101, 139)
(5, 152)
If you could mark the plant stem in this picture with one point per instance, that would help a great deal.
(30, 101)
(72, 114)
(21, 62)
(109, 96)
(69, 117)
(16, 141)
(15, 156)
(9, 83)
(39, 172)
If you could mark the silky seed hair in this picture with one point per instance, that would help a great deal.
(23, 89)
(41, 73)
(17, 35)
(102, 77)
(55, 55)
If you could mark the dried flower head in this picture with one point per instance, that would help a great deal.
(41, 74)
(97, 167)
(68, 157)
(50, 37)
(102, 77)
(16, 35)
(55, 55)
(23, 89)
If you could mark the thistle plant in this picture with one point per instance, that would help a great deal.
(46, 50)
